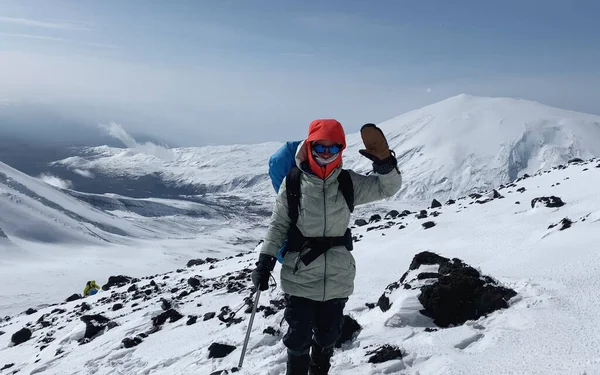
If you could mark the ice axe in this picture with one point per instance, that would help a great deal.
(236, 369)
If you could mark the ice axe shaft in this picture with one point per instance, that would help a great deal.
(249, 327)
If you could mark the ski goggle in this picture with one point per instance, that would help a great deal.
(333, 149)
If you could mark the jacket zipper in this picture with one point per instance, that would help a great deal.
(324, 231)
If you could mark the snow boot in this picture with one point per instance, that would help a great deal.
(319, 360)
(297, 364)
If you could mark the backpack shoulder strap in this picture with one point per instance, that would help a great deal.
(292, 185)
(347, 188)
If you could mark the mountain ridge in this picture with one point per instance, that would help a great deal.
(453, 147)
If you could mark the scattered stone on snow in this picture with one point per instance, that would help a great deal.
(350, 330)
(7, 366)
(360, 222)
(392, 214)
(550, 202)
(217, 350)
(73, 297)
(94, 324)
(385, 353)
(375, 218)
(428, 224)
(116, 281)
(131, 342)
(171, 314)
(435, 204)
(22, 335)
(564, 224)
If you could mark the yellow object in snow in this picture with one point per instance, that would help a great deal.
(89, 286)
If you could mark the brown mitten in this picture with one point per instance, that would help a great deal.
(376, 146)
(377, 149)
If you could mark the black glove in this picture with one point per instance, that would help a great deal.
(377, 149)
(262, 272)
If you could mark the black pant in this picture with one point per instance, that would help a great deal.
(312, 322)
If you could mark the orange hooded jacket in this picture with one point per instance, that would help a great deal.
(325, 129)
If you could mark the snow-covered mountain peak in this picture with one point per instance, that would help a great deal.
(467, 143)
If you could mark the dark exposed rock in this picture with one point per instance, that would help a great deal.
(271, 331)
(475, 196)
(575, 160)
(392, 214)
(195, 262)
(73, 297)
(132, 288)
(22, 335)
(385, 353)
(521, 190)
(370, 305)
(360, 222)
(422, 214)
(461, 293)
(564, 224)
(435, 204)
(194, 282)
(217, 350)
(404, 213)
(450, 202)
(374, 218)
(192, 320)
(350, 330)
(131, 342)
(30, 311)
(428, 224)
(551, 201)
(209, 315)
(7, 366)
(165, 304)
(172, 315)
(117, 306)
(116, 281)
(94, 324)
(425, 258)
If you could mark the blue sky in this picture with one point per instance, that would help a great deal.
(222, 71)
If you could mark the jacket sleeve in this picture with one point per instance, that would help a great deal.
(279, 224)
(375, 187)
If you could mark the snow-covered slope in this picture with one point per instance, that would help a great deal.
(446, 149)
(35, 211)
(548, 328)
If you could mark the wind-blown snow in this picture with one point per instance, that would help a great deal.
(55, 181)
(550, 328)
(446, 149)
(118, 132)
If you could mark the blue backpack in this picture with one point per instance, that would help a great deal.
(282, 164)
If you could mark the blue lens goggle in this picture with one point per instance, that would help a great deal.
(333, 149)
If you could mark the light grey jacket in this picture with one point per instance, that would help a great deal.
(323, 213)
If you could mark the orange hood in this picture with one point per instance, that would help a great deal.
(330, 130)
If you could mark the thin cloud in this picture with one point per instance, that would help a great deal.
(55, 39)
(30, 36)
(43, 24)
